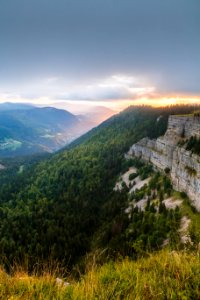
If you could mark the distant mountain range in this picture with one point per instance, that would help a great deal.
(14, 106)
(26, 129)
(98, 114)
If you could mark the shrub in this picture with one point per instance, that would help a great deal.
(132, 176)
(167, 170)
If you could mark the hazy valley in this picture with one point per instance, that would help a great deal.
(26, 130)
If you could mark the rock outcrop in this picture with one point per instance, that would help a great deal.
(167, 154)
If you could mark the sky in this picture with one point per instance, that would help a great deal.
(78, 54)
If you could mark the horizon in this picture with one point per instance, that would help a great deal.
(112, 112)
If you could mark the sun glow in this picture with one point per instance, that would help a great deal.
(159, 101)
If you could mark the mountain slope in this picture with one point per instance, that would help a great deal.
(61, 206)
(26, 129)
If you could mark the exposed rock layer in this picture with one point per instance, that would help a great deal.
(166, 154)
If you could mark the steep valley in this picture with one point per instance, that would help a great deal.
(93, 208)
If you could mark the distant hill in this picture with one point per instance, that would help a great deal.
(14, 106)
(25, 129)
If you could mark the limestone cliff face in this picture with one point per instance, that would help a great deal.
(165, 153)
(187, 125)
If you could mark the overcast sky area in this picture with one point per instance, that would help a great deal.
(77, 53)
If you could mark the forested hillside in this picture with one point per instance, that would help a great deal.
(28, 130)
(65, 206)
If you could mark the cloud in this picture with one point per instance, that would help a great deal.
(116, 87)
(115, 92)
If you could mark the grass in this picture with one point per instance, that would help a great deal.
(163, 275)
(184, 115)
(191, 213)
(24, 287)
(193, 114)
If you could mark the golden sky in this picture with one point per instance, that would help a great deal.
(115, 92)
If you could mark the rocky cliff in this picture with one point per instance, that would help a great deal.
(167, 154)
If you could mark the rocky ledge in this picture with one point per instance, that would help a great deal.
(167, 154)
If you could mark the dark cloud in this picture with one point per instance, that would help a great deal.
(83, 40)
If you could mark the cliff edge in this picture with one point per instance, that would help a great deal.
(168, 153)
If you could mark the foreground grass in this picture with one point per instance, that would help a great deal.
(164, 275)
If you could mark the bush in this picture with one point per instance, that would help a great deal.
(167, 170)
(193, 145)
(132, 176)
(183, 195)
